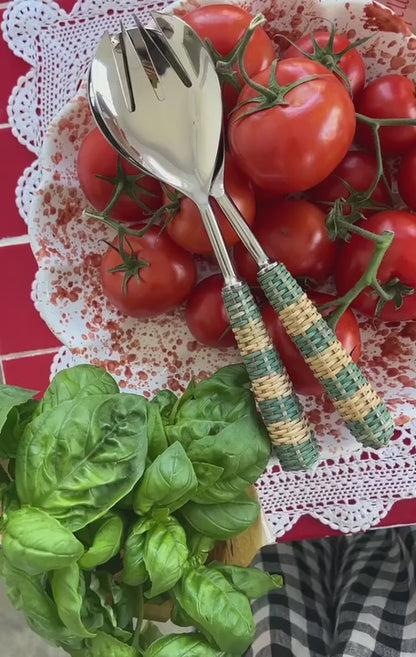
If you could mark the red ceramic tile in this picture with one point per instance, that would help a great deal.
(11, 68)
(30, 372)
(66, 4)
(21, 328)
(15, 158)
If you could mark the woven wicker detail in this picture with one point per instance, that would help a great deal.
(376, 429)
(328, 363)
(298, 457)
(240, 305)
(345, 383)
(276, 410)
(300, 316)
(279, 286)
(289, 433)
(252, 337)
(357, 406)
(272, 386)
(263, 363)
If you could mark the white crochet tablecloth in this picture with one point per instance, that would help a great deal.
(351, 492)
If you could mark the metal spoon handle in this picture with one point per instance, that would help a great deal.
(288, 428)
(358, 404)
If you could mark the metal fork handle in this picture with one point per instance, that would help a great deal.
(356, 401)
(288, 428)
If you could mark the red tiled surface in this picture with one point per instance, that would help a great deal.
(22, 330)
(14, 159)
(29, 372)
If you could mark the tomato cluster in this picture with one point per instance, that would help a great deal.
(310, 147)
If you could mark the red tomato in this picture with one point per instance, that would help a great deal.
(359, 170)
(97, 158)
(291, 147)
(224, 25)
(351, 64)
(186, 227)
(388, 97)
(399, 261)
(163, 281)
(303, 379)
(293, 232)
(406, 179)
(206, 315)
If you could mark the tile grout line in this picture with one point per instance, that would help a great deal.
(14, 241)
(3, 126)
(4, 5)
(28, 354)
(2, 378)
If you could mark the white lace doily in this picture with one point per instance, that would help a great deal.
(350, 491)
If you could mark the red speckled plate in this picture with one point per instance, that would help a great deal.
(152, 354)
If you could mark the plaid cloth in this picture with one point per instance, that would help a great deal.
(349, 596)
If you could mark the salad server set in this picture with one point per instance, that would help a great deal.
(156, 97)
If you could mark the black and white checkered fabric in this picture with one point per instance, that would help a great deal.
(348, 596)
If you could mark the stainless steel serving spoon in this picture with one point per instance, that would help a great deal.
(164, 114)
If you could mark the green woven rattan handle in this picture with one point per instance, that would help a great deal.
(289, 431)
(358, 404)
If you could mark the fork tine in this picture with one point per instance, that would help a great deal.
(138, 64)
(163, 45)
(152, 59)
(189, 60)
(120, 60)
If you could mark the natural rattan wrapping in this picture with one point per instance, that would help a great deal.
(278, 404)
(351, 393)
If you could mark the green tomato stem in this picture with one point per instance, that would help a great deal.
(368, 120)
(224, 64)
(369, 277)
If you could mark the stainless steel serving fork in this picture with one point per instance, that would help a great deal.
(150, 107)
(169, 85)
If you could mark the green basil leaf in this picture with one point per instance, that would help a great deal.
(76, 382)
(80, 458)
(182, 645)
(126, 604)
(148, 634)
(199, 546)
(9, 503)
(241, 449)
(27, 594)
(219, 611)
(14, 426)
(11, 398)
(168, 482)
(207, 473)
(134, 569)
(159, 410)
(104, 645)
(4, 481)
(253, 582)
(226, 378)
(165, 400)
(101, 589)
(165, 555)
(179, 617)
(68, 590)
(221, 521)
(106, 543)
(208, 407)
(35, 542)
